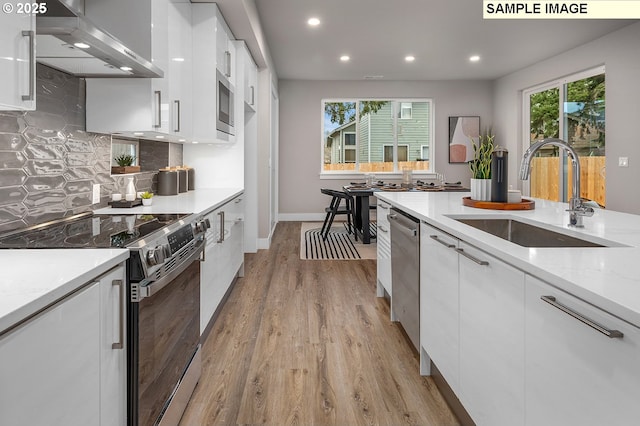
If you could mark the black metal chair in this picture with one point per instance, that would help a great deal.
(334, 209)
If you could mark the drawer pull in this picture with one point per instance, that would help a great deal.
(382, 206)
(602, 329)
(444, 243)
(382, 228)
(473, 259)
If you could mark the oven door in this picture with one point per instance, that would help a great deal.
(164, 339)
(224, 118)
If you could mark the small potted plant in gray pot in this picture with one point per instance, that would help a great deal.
(125, 165)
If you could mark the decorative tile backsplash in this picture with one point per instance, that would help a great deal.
(49, 163)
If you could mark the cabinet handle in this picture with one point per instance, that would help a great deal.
(468, 256)
(382, 228)
(221, 237)
(253, 95)
(158, 95)
(176, 103)
(382, 206)
(444, 243)
(120, 343)
(227, 55)
(32, 65)
(602, 329)
(238, 200)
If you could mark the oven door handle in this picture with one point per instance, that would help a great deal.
(147, 288)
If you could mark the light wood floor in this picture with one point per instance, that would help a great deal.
(303, 342)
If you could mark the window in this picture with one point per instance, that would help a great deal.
(124, 147)
(405, 110)
(364, 135)
(402, 153)
(572, 109)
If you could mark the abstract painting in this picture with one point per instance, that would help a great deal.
(461, 130)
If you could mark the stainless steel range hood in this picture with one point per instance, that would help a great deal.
(65, 27)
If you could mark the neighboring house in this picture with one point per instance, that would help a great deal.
(376, 136)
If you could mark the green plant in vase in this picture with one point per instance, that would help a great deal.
(125, 160)
(480, 167)
(146, 198)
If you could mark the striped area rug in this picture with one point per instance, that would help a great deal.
(339, 245)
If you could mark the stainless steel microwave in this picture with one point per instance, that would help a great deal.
(224, 114)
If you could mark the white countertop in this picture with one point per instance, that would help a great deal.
(198, 201)
(33, 279)
(608, 277)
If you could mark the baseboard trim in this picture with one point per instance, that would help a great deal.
(451, 398)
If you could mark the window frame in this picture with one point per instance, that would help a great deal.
(342, 174)
(560, 84)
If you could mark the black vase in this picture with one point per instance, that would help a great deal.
(499, 176)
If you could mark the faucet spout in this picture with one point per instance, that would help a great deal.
(577, 209)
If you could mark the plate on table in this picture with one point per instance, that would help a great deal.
(392, 187)
(452, 184)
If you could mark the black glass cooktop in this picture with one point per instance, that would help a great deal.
(92, 231)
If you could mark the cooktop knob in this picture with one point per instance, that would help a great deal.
(156, 256)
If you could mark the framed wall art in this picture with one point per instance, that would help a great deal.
(461, 130)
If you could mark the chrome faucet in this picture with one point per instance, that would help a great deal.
(577, 209)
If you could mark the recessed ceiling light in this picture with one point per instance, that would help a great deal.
(177, 59)
(81, 45)
(314, 22)
(182, 140)
(409, 58)
(126, 68)
(159, 137)
(194, 141)
(474, 58)
(344, 58)
(138, 133)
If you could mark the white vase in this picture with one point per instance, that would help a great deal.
(130, 190)
(147, 201)
(481, 189)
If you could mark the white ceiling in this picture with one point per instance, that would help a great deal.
(441, 34)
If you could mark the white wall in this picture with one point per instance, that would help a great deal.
(620, 53)
(301, 132)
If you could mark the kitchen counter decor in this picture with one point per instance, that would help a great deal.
(125, 165)
(524, 204)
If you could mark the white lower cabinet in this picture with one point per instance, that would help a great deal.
(491, 338)
(384, 249)
(59, 368)
(224, 256)
(575, 374)
(439, 309)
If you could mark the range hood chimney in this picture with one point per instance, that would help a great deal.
(69, 42)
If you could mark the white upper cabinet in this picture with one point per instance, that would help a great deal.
(226, 51)
(180, 69)
(17, 61)
(250, 80)
(142, 107)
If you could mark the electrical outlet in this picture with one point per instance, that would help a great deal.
(96, 193)
(623, 161)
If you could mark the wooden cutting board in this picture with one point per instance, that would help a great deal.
(492, 205)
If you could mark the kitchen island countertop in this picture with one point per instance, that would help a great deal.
(607, 277)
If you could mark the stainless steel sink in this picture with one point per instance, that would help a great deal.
(525, 234)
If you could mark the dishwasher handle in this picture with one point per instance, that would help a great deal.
(406, 226)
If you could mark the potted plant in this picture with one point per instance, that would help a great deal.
(125, 164)
(146, 198)
(480, 167)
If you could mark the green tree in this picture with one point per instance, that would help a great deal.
(345, 112)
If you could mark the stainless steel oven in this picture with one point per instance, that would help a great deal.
(164, 325)
(225, 104)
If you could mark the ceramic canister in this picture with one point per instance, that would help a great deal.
(168, 182)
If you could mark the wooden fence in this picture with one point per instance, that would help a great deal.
(544, 178)
(544, 175)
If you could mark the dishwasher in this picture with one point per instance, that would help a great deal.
(405, 272)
